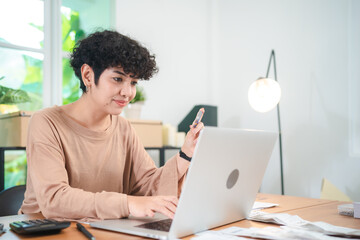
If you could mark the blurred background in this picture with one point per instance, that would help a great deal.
(209, 52)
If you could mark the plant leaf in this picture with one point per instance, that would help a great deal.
(140, 95)
(12, 96)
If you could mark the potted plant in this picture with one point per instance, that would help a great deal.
(12, 96)
(133, 109)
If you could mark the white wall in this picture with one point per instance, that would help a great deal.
(311, 40)
(209, 52)
(178, 33)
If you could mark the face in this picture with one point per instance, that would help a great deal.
(115, 89)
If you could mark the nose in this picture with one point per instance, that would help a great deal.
(126, 90)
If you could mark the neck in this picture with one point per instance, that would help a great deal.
(88, 115)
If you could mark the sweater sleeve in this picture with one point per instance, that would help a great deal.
(146, 179)
(55, 197)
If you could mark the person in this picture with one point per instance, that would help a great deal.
(85, 162)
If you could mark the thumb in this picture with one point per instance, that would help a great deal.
(150, 213)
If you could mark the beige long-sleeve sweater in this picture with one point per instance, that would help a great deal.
(79, 174)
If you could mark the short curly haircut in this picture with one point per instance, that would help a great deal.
(105, 49)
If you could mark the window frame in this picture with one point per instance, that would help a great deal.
(52, 52)
(52, 82)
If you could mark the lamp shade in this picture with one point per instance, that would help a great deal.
(264, 94)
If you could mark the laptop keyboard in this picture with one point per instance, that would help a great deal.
(162, 225)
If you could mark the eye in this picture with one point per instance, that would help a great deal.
(117, 79)
(134, 83)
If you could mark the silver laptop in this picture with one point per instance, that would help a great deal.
(224, 177)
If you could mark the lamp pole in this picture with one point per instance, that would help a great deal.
(272, 57)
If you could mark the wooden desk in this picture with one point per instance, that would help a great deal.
(68, 233)
(287, 203)
(307, 208)
(327, 213)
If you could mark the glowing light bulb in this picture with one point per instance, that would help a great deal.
(264, 94)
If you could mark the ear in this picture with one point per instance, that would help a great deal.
(87, 75)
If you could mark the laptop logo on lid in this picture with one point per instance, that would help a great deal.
(232, 179)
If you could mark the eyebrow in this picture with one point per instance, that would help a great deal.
(121, 73)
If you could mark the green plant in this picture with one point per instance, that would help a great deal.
(12, 96)
(15, 171)
(71, 33)
(140, 95)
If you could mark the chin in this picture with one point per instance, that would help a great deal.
(115, 111)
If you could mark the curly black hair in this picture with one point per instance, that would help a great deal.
(105, 49)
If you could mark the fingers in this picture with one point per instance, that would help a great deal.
(150, 213)
(195, 130)
(198, 117)
(165, 211)
(172, 199)
(171, 203)
(167, 206)
(191, 139)
(148, 206)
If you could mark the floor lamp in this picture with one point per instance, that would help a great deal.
(264, 94)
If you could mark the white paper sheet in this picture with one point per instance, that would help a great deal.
(277, 218)
(277, 233)
(216, 235)
(263, 205)
(295, 221)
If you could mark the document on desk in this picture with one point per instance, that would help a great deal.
(216, 235)
(263, 205)
(295, 221)
(278, 233)
(329, 229)
(277, 218)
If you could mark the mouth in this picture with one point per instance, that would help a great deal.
(121, 103)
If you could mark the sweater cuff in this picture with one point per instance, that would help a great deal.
(182, 166)
(111, 205)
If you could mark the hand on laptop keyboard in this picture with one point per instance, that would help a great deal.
(148, 206)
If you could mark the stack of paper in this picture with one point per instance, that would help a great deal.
(293, 227)
(276, 233)
(295, 221)
(277, 218)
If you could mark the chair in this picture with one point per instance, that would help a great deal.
(11, 200)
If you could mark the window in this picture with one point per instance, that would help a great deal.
(79, 18)
(34, 52)
(22, 50)
(21, 67)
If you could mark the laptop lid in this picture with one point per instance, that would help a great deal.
(221, 185)
(224, 177)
